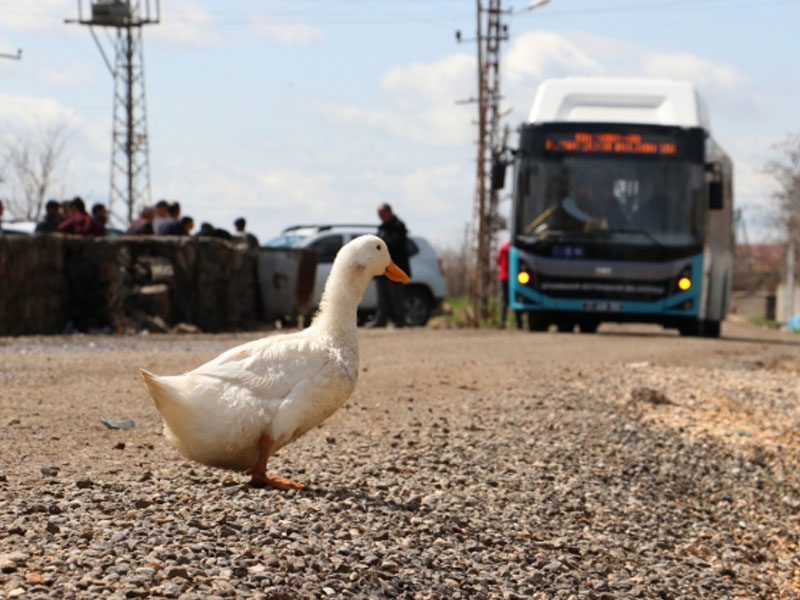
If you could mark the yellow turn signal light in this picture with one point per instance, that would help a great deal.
(684, 283)
(523, 277)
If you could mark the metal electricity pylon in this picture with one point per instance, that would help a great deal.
(130, 150)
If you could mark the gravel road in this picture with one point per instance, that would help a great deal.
(467, 464)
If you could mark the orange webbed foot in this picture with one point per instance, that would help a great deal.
(278, 483)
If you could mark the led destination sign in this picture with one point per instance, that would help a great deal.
(613, 143)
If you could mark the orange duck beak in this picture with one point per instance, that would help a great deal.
(395, 273)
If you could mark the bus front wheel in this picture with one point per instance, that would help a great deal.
(689, 327)
(711, 329)
(705, 328)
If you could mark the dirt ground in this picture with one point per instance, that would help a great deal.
(739, 391)
(58, 388)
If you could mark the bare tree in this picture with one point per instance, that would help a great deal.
(455, 264)
(32, 164)
(785, 170)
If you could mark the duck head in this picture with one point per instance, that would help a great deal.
(369, 255)
(356, 263)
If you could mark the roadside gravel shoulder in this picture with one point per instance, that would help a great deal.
(466, 465)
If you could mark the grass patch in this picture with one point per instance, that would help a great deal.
(764, 322)
(460, 314)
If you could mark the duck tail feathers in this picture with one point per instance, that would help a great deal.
(158, 391)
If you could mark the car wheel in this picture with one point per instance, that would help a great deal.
(418, 306)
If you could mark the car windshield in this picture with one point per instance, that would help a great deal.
(285, 241)
(627, 200)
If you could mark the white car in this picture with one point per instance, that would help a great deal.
(424, 293)
(18, 227)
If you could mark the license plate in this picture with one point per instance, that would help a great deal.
(602, 306)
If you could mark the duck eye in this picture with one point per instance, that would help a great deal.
(378, 247)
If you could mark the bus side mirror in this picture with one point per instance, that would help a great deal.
(715, 199)
(498, 176)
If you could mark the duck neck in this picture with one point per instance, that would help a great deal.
(339, 303)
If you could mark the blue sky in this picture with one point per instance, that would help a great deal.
(301, 111)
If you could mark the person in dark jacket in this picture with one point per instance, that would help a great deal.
(172, 224)
(391, 294)
(100, 215)
(183, 226)
(51, 219)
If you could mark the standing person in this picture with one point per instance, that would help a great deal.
(161, 214)
(172, 224)
(391, 294)
(143, 225)
(78, 220)
(51, 219)
(244, 237)
(100, 216)
(2, 209)
(187, 224)
(502, 271)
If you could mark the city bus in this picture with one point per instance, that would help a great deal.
(622, 208)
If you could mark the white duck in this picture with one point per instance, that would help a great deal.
(235, 411)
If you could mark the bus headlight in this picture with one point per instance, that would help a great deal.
(684, 283)
(524, 277)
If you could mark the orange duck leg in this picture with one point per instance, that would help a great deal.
(258, 474)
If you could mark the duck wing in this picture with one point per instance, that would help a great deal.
(270, 368)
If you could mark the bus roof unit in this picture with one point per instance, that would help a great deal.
(612, 100)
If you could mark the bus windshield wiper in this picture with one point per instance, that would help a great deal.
(643, 232)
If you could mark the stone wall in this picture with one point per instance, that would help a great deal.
(33, 284)
(55, 283)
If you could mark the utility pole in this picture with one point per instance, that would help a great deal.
(484, 220)
(130, 151)
(788, 310)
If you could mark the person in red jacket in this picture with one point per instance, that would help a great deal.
(78, 221)
(502, 271)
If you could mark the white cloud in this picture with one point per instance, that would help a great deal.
(185, 23)
(281, 30)
(420, 103)
(723, 87)
(540, 54)
(30, 112)
(42, 15)
(698, 70)
(537, 55)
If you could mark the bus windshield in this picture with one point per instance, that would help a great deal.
(621, 199)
